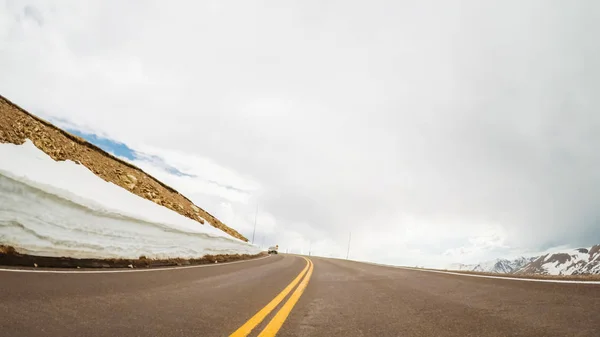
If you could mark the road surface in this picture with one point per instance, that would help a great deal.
(341, 298)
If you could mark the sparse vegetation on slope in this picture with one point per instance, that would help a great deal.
(17, 125)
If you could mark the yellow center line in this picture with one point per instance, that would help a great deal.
(245, 329)
(275, 324)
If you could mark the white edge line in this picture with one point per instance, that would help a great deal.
(489, 276)
(54, 271)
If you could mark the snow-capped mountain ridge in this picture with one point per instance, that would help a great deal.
(580, 261)
(501, 266)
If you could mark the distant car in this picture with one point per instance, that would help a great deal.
(273, 249)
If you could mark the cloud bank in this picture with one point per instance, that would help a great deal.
(434, 132)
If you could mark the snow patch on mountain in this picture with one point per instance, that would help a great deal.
(581, 261)
(501, 266)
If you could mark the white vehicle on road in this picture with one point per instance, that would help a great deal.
(273, 249)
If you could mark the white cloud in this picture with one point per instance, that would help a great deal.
(417, 126)
(198, 175)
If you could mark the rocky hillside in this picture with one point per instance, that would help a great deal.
(17, 125)
(581, 261)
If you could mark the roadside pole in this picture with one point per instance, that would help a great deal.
(348, 252)
(254, 231)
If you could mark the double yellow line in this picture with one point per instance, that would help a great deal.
(277, 321)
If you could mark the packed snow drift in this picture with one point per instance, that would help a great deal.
(51, 208)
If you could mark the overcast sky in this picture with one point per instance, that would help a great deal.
(434, 131)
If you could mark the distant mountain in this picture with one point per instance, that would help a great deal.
(581, 261)
(501, 266)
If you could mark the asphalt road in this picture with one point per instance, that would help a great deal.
(341, 298)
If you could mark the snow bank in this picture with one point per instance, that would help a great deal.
(52, 208)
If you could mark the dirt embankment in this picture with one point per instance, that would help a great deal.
(17, 125)
(10, 257)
